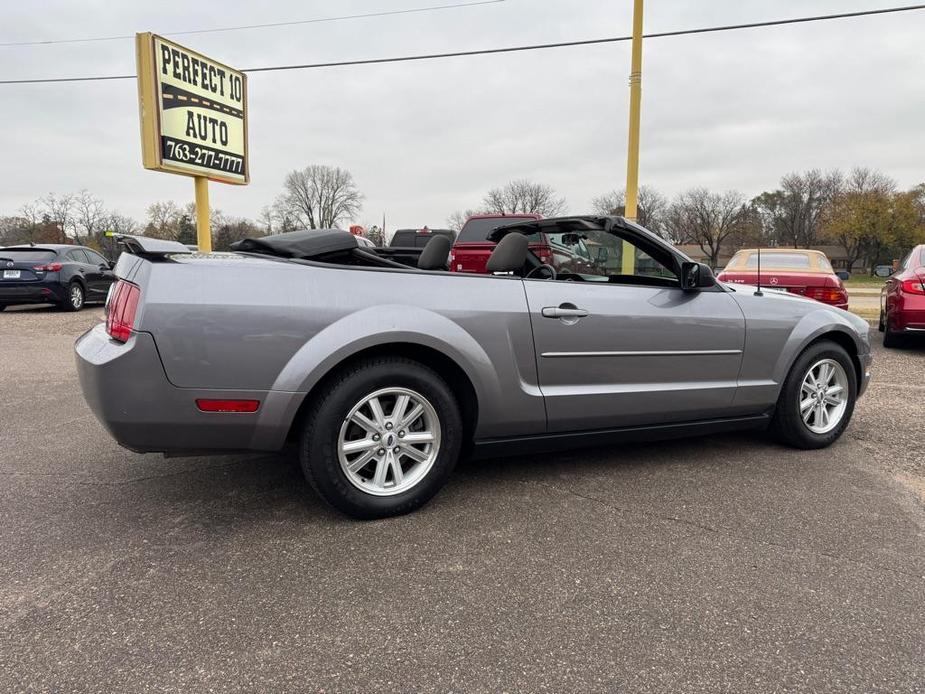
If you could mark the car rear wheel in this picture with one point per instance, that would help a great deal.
(817, 399)
(382, 438)
(75, 297)
(891, 338)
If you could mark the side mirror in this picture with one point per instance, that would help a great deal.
(696, 276)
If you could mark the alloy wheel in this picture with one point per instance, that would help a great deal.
(77, 296)
(389, 441)
(824, 396)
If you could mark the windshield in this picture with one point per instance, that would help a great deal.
(477, 230)
(26, 255)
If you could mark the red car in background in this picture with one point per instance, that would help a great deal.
(472, 248)
(796, 270)
(902, 300)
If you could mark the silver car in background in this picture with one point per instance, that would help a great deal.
(384, 372)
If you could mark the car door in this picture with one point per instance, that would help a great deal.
(79, 266)
(101, 274)
(629, 350)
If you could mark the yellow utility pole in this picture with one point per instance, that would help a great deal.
(203, 226)
(632, 155)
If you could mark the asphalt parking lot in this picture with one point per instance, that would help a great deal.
(705, 565)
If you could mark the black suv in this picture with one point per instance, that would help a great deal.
(68, 276)
(418, 238)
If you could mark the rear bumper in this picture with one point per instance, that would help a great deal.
(910, 316)
(126, 387)
(12, 293)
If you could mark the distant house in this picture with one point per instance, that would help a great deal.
(695, 252)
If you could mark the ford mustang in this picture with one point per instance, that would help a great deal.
(385, 372)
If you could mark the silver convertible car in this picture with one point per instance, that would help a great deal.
(385, 368)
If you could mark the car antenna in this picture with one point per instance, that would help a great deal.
(758, 291)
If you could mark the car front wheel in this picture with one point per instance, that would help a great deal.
(381, 438)
(817, 399)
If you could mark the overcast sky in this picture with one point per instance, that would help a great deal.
(728, 110)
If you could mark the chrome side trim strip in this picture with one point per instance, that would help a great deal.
(654, 353)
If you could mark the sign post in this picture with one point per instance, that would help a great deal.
(203, 223)
(632, 155)
(193, 119)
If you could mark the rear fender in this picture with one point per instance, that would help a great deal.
(383, 325)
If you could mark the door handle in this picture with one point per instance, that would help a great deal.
(564, 311)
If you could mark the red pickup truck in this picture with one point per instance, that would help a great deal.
(798, 271)
(472, 248)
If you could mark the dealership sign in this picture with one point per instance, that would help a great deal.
(193, 112)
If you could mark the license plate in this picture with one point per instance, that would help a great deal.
(11, 274)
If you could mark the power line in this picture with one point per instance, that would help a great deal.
(270, 25)
(513, 49)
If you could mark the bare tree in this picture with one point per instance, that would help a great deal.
(163, 220)
(31, 214)
(59, 209)
(89, 216)
(120, 223)
(319, 197)
(457, 220)
(707, 219)
(524, 197)
(651, 207)
(792, 215)
(267, 219)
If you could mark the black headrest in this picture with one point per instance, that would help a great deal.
(510, 254)
(435, 254)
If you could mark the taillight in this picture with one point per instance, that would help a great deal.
(827, 295)
(121, 308)
(544, 253)
(913, 286)
(50, 267)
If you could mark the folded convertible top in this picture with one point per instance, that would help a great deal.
(309, 243)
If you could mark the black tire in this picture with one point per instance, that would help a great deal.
(71, 302)
(319, 443)
(787, 424)
(2, 307)
(891, 338)
(881, 324)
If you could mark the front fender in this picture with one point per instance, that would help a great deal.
(814, 325)
(778, 329)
